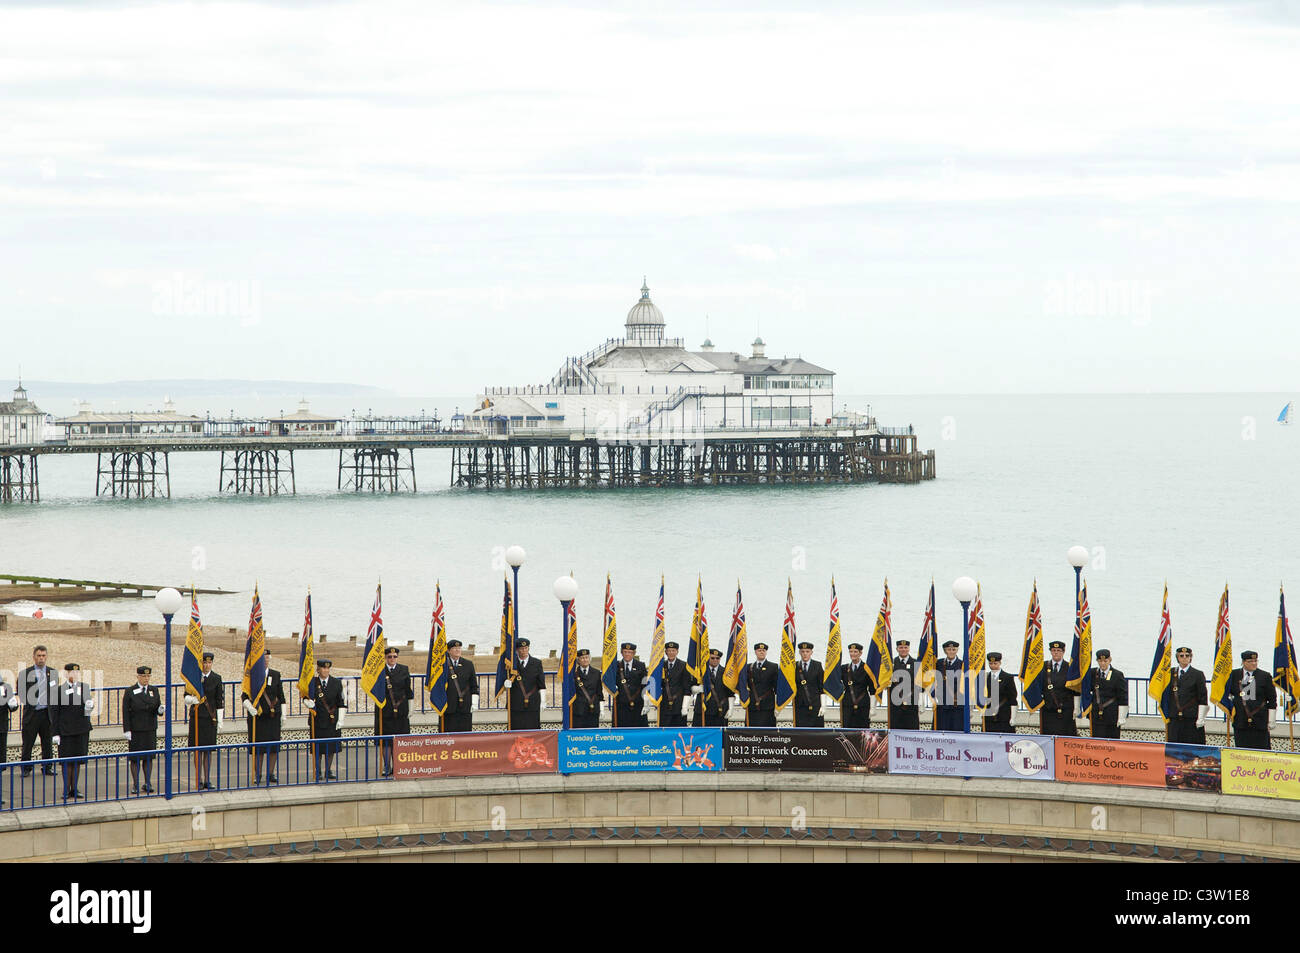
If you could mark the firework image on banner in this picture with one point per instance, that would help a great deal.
(641, 749)
(1261, 773)
(1138, 764)
(979, 755)
(475, 753)
(855, 751)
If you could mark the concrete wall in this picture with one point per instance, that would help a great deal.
(654, 817)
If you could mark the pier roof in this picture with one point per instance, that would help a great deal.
(20, 404)
(759, 366)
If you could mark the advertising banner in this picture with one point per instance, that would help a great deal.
(850, 750)
(1261, 773)
(475, 753)
(1138, 764)
(641, 749)
(975, 755)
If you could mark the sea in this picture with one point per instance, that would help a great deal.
(1193, 491)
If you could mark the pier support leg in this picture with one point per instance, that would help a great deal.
(18, 478)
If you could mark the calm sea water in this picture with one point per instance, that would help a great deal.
(1198, 490)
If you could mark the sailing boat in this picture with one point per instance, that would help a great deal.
(1285, 416)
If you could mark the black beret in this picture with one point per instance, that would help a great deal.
(267, 652)
(760, 645)
(72, 667)
(856, 645)
(1056, 644)
(1181, 649)
(995, 656)
(522, 642)
(323, 663)
(584, 651)
(671, 645)
(715, 653)
(805, 645)
(902, 642)
(1248, 655)
(950, 644)
(1103, 653)
(143, 670)
(208, 656)
(454, 643)
(391, 650)
(628, 645)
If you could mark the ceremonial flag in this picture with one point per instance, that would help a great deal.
(736, 673)
(1285, 676)
(697, 653)
(373, 665)
(1158, 687)
(306, 651)
(255, 665)
(975, 647)
(1222, 658)
(785, 678)
(568, 688)
(833, 684)
(435, 667)
(506, 650)
(929, 653)
(192, 660)
(1031, 655)
(880, 653)
(655, 670)
(1079, 675)
(609, 649)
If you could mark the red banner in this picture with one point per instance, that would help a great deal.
(475, 753)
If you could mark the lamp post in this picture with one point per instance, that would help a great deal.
(964, 589)
(566, 590)
(1078, 558)
(515, 556)
(169, 602)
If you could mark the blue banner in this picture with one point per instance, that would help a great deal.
(976, 755)
(641, 749)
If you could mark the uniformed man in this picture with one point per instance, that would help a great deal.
(8, 705)
(462, 691)
(38, 686)
(997, 696)
(328, 708)
(1253, 696)
(1060, 704)
(762, 689)
(1191, 700)
(395, 717)
(141, 706)
(205, 712)
(808, 678)
(712, 696)
(949, 705)
(855, 706)
(527, 689)
(629, 700)
(586, 692)
(71, 724)
(904, 690)
(677, 682)
(264, 721)
(1109, 698)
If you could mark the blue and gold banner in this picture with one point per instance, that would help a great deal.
(641, 749)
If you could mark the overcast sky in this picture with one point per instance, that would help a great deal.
(431, 197)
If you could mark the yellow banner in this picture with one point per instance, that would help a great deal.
(1261, 773)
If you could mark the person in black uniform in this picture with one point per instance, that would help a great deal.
(8, 705)
(855, 707)
(205, 722)
(264, 724)
(629, 700)
(395, 717)
(527, 689)
(1059, 702)
(949, 712)
(71, 724)
(904, 690)
(327, 707)
(38, 686)
(998, 696)
(1109, 698)
(141, 706)
(677, 684)
(712, 696)
(808, 678)
(1191, 700)
(462, 691)
(586, 693)
(762, 689)
(1253, 697)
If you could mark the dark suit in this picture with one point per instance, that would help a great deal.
(36, 721)
(808, 694)
(762, 694)
(998, 699)
(323, 722)
(585, 712)
(1251, 703)
(525, 702)
(462, 686)
(203, 721)
(1109, 695)
(140, 704)
(70, 719)
(855, 706)
(710, 707)
(677, 682)
(628, 700)
(949, 707)
(1058, 701)
(395, 717)
(1188, 693)
(904, 692)
(270, 711)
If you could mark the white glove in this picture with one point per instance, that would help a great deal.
(826, 701)
(162, 710)
(342, 714)
(55, 739)
(250, 708)
(1123, 716)
(1200, 715)
(509, 683)
(309, 703)
(220, 716)
(191, 700)
(90, 705)
(475, 697)
(541, 698)
(128, 735)
(13, 701)
(1078, 703)
(695, 690)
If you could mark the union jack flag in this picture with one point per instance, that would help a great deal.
(373, 665)
(656, 668)
(1158, 684)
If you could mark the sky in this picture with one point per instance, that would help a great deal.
(928, 198)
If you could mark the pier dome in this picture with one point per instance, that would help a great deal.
(645, 322)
